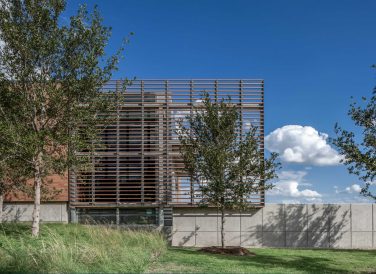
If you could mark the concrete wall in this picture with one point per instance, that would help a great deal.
(276, 225)
(22, 212)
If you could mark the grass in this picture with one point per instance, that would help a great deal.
(79, 249)
(268, 260)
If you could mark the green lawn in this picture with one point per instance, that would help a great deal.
(87, 249)
(268, 260)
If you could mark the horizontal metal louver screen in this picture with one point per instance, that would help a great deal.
(139, 163)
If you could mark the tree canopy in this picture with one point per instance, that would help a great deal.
(228, 166)
(50, 77)
(359, 151)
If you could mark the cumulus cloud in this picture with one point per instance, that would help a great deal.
(302, 144)
(290, 188)
(289, 185)
(350, 194)
(355, 188)
(352, 189)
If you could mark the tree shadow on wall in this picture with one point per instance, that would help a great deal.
(12, 213)
(317, 226)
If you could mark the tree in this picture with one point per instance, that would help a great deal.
(50, 76)
(360, 158)
(228, 168)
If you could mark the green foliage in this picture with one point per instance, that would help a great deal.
(13, 173)
(77, 249)
(228, 166)
(50, 77)
(360, 157)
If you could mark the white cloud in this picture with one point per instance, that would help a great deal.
(355, 188)
(291, 175)
(352, 189)
(289, 185)
(302, 144)
(347, 195)
(290, 188)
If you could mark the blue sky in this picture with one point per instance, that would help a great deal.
(313, 56)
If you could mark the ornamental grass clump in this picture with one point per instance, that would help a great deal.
(77, 248)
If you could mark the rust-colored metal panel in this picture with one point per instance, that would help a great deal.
(57, 191)
(140, 163)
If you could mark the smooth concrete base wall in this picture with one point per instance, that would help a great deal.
(277, 225)
(22, 212)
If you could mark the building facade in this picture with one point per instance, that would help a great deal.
(138, 175)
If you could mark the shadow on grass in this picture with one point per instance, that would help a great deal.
(14, 230)
(282, 259)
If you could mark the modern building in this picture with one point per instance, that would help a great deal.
(139, 176)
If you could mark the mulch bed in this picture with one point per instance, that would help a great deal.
(229, 250)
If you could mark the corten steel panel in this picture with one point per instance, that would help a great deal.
(57, 186)
(139, 163)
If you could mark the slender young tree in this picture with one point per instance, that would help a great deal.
(50, 76)
(360, 157)
(228, 168)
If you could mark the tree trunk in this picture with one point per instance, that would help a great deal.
(1, 207)
(38, 173)
(222, 227)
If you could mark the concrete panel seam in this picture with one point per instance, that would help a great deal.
(262, 226)
(351, 232)
(307, 238)
(284, 222)
(240, 228)
(218, 226)
(195, 231)
(373, 226)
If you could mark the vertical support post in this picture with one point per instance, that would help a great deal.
(167, 178)
(72, 180)
(117, 143)
(160, 216)
(216, 91)
(117, 216)
(192, 189)
(241, 108)
(92, 152)
(261, 132)
(158, 111)
(142, 143)
(93, 175)
(241, 115)
(73, 218)
(160, 152)
(72, 189)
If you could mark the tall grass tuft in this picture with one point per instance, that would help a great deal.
(77, 248)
